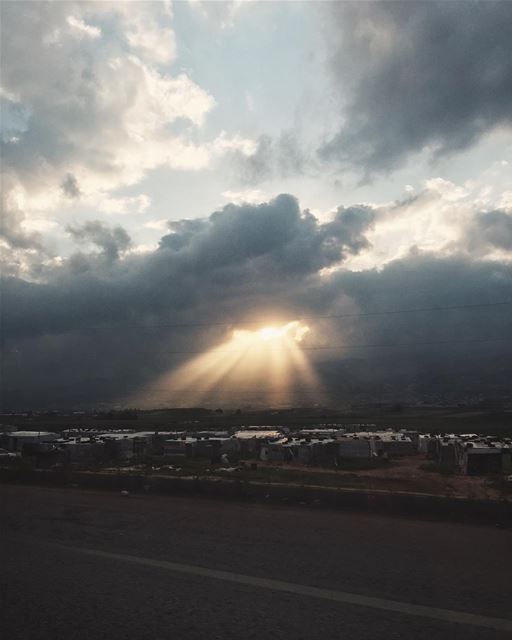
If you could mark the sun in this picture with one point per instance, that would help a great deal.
(292, 332)
(270, 333)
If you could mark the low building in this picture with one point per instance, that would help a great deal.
(201, 447)
(449, 455)
(354, 447)
(485, 458)
(397, 445)
(82, 451)
(119, 447)
(252, 440)
(321, 432)
(274, 451)
(324, 453)
(16, 440)
(182, 447)
(390, 444)
(414, 436)
(423, 441)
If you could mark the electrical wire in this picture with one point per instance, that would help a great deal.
(333, 316)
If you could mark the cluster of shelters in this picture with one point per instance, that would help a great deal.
(93, 449)
(212, 445)
(314, 448)
(470, 454)
(324, 445)
(16, 441)
(97, 448)
(466, 454)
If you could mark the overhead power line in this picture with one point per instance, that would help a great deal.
(333, 316)
(348, 347)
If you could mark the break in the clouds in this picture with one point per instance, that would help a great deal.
(89, 102)
(416, 75)
(133, 233)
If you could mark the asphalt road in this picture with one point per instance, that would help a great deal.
(87, 565)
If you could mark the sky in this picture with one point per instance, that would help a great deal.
(178, 176)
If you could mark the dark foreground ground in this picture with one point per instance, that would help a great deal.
(58, 591)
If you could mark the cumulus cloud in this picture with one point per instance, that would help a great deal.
(97, 106)
(353, 224)
(439, 217)
(240, 253)
(490, 229)
(90, 107)
(269, 238)
(244, 261)
(12, 232)
(112, 241)
(82, 28)
(148, 28)
(103, 114)
(417, 75)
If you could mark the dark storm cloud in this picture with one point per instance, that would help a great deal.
(100, 327)
(238, 254)
(416, 74)
(425, 280)
(242, 261)
(275, 237)
(352, 223)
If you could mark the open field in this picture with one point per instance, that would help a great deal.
(457, 420)
(412, 474)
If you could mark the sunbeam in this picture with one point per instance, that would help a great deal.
(267, 363)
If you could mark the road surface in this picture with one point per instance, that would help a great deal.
(86, 565)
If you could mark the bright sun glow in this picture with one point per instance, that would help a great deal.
(292, 332)
(268, 333)
(264, 365)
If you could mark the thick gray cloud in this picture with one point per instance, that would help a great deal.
(352, 223)
(97, 329)
(418, 74)
(452, 354)
(111, 241)
(242, 261)
(274, 236)
(238, 254)
(492, 228)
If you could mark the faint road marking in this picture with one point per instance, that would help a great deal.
(445, 615)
